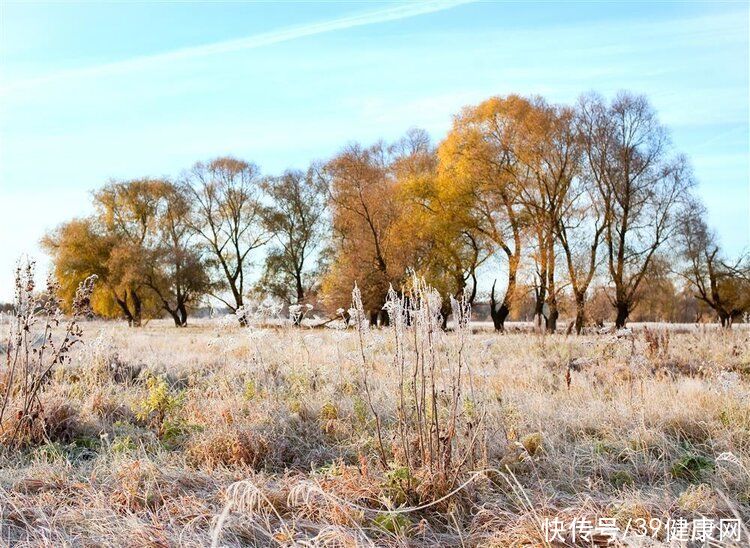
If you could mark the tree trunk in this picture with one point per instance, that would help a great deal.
(407, 306)
(539, 318)
(175, 317)
(538, 314)
(580, 313)
(297, 320)
(385, 320)
(623, 310)
(726, 320)
(498, 314)
(125, 310)
(554, 314)
(473, 294)
(239, 304)
(445, 311)
(183, 314)
(300, 288)
(137, 309)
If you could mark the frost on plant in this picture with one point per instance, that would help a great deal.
(39, 340)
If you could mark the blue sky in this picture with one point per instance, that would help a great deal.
(92, 91)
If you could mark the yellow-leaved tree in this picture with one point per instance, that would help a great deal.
(445, 250)
(480, 174)
(138, 245)
(361, 192)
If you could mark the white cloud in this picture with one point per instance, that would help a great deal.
(402, 11)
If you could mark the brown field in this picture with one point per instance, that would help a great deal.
(214, 434)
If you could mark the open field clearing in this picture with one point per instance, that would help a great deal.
(216, 434)
(401, 274)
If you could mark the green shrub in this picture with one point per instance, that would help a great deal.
(159, 404)
(392, 523)
(621, 478)
(691, 467)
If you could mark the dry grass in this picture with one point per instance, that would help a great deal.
(216, 434)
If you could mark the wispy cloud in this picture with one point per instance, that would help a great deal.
(402, 11)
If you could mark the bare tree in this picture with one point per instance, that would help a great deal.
(725, 287)
(552, 154)
(640, 185)
(296, 218)
(176, 271)
(228, 218)
(579, 231)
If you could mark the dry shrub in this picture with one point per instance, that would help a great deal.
(61, 421)
(150, 535)
(532, 443)
(648, 441)
(431, 391)
(321, 501)
(494, 527)
(227, 445)
(336, 430)
(626, 440)
(657, 343)
(698, 499)
(687, 428)
(332, 425)
(99, 362)
(55, 421)
(681, 366)
(630, 511)
(142, 484)
(123, 372)
(39, 342)
(109, 409)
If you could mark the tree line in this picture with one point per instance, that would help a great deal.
(552, 200)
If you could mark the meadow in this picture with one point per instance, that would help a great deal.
(289, 246)
(407, 435)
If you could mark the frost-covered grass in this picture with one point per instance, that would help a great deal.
(219, 434)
